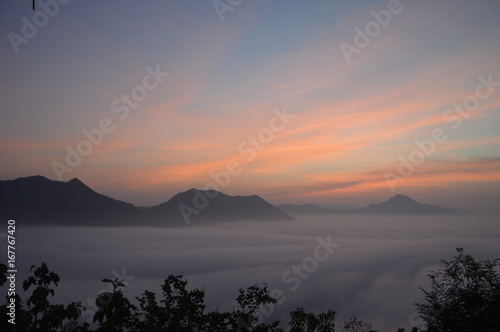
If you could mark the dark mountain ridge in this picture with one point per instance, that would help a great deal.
(401, 204)
(36, 200)
(305, 209)
(398, 204)
(48, 201)
(209, 205)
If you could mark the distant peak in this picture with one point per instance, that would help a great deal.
(33, 178)
(254, 197)
(400, 197)
(37, 177)
(77, 183)
(193, 191)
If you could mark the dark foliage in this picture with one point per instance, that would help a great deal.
(464, 297)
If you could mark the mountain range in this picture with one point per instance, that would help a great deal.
(398, 204)
(38, 200)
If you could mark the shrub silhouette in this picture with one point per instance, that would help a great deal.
(304, 321)
(356, 325)
(115, 312)
(179, 310)
(39, 315)
(464, 297)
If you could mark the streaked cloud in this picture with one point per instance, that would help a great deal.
(352, 120)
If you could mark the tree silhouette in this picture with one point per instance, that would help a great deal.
(115, 312)
(249, 302)
(39, 315)
(180, 310)
(309, 322)
(464, 296)
(356, 325)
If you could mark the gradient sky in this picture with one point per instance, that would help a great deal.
(353, 123)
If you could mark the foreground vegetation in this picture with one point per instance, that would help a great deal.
(464, 296)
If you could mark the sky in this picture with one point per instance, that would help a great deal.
(329, 102)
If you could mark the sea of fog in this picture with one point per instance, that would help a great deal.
(370, 267)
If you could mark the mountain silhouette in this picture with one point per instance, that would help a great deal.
(307, 209)
(36, 200)
(212, 205)
(399, 204)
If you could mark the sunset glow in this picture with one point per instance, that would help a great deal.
(350, 123)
